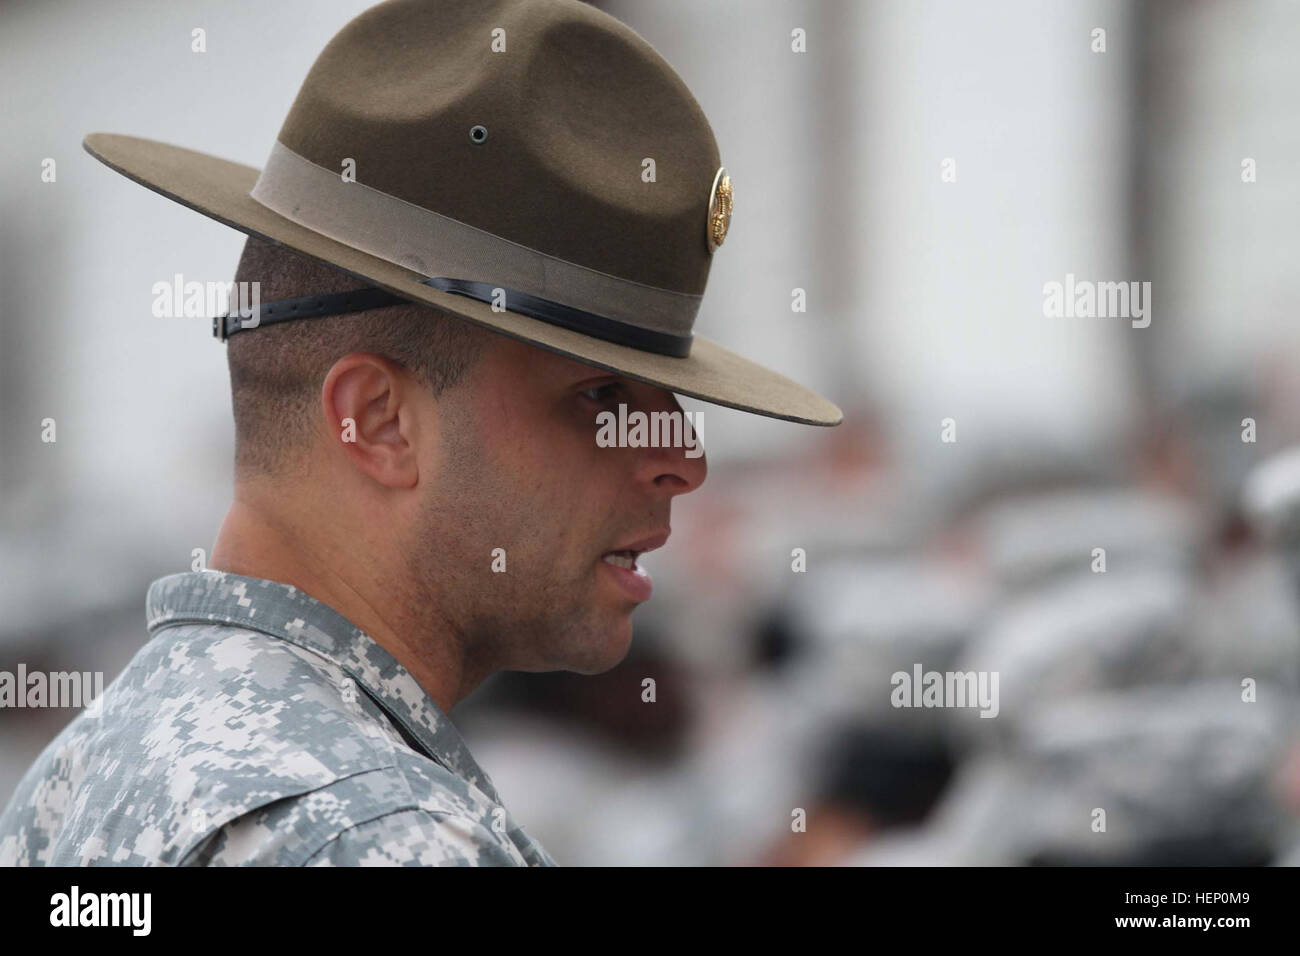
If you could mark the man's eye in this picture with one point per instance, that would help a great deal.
(602, 393)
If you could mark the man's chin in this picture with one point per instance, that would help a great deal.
(605, 648)
(589, 648)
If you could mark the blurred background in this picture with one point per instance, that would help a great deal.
(1163, 690)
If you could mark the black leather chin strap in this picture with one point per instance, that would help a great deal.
(338, 303)
(304, 307)
(566, 316)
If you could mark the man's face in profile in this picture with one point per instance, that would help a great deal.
(519, 468)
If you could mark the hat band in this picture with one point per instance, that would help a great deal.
(435, 245)
(597, 326)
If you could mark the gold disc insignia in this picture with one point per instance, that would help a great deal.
(720, 199)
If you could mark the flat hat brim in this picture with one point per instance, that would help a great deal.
(219, 189)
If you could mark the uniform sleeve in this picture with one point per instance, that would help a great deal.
(417, 838)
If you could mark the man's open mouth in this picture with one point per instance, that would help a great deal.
(633, 579)
(622, 559)
(625, 558)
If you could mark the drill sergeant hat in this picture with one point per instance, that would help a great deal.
(490, 158)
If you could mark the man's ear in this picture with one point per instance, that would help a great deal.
(370, 409)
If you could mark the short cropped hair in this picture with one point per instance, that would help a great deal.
(276, 371)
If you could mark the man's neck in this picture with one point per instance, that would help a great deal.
(261, 542)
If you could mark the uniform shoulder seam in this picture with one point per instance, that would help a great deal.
(438, 814)
(322, 788)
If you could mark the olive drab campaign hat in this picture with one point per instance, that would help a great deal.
(489, 158)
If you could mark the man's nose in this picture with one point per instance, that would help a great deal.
(679, 468)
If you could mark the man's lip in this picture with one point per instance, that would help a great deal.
(643, 545)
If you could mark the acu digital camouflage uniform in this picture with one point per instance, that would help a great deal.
(259, 727)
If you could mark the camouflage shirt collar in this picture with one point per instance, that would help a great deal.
(285, 612)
